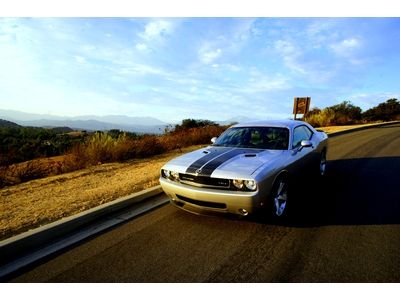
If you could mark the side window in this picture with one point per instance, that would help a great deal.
(300, 133)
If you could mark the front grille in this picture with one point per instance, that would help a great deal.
(203, 203)
(204, 181)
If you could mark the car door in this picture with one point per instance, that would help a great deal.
(301, 156)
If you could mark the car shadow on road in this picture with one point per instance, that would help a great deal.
(359, 191)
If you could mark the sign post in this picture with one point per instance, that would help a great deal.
(301, 105)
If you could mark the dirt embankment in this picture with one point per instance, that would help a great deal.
(38, 202)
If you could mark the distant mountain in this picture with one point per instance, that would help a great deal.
(237, 119)
(120, 119)
(93, 125)
(23, 116)
(133, 124)
(8, 124)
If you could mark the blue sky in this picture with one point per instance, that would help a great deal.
(208, 68)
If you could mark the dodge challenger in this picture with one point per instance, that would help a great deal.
(250, 166)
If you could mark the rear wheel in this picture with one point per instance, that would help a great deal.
(322, 164)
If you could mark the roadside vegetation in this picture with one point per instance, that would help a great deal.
(88, 149)
(346, 113)
(28, 153)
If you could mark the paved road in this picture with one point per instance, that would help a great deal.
(346, 231)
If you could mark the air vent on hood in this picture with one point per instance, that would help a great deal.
(250, 155)
(206, 152)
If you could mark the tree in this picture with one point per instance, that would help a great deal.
(339, 114)
(385, 111)
(192, 123)
(346, 113)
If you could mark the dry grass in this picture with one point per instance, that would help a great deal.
(41, 201)
(103, 148)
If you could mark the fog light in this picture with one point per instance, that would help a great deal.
(243, 212)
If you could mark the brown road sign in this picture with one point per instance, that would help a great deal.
(301, 105)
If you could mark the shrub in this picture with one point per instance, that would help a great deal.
(341, 114)
(386, 111)
(26, 171)
(109, 147)
(192, 123)
(193, 136)
(322, 118)
(99, 148)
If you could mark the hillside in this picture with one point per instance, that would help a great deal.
(90, 123)
(8, 124)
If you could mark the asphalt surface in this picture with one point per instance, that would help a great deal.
(342, 229)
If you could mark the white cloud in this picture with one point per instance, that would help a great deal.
(232, 67)
(208, 56)
(290, 55)
(346, 47)
(139, 69)
(285, 47)
(264, 83)
(156, 29)
(80, 59)
(141, 47)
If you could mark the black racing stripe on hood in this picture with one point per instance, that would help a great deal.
(210, 167)
(214, 152)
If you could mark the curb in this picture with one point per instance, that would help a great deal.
(333, 134)
(34, 239)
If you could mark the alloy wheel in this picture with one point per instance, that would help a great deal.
(280, 198)
(322, 164)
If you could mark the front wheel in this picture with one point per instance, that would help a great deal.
(279, 198)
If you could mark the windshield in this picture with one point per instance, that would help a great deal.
(274, 138)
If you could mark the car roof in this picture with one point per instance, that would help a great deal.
(272, 123)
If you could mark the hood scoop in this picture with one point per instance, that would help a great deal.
(206, 152)
(250, 155)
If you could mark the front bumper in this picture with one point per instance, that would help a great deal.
(199, 200)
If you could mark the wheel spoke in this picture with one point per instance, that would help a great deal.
(280, 199)
(281, 185)
(322, 164)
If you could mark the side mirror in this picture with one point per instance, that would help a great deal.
(306, 143)
(213, 140)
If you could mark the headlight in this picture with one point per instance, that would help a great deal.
(238, 183)
(170, 175)
(245, 185)
(174, 175)
(166, 173)
(250, 184)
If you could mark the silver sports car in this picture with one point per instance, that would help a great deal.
(249, 167)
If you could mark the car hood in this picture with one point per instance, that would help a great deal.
(224, 162)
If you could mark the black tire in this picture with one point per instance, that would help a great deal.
(322, 164)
